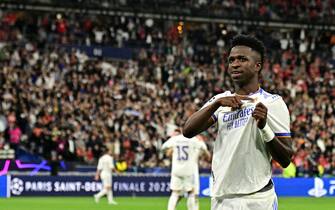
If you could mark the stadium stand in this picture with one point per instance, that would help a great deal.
(58, 99)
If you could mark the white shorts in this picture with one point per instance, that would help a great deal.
(262, 200)
(182, 183)
(106, 180)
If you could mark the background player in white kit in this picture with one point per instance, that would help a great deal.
(184, 162)
(104, 172)
(253, 127)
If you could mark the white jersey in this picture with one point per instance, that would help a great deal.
(241, 163)
(106, 164)
(185, 154)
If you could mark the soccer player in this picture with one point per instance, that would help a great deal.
(104, 172)
(253, 128)
(184, 154)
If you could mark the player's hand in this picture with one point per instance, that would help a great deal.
(260, 114)
(169, 153)
(96, 178)
(234, 102)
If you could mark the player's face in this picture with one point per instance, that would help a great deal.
(243, 65)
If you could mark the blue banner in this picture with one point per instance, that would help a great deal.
(294, 187)
(141, 185)
(53, 185)
(204, 186)
(81, 185)
(146, 185)
(3, 186)
(305, 187)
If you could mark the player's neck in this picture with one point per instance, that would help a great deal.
(247, 89)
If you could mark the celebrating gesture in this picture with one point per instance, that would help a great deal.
(243, 149)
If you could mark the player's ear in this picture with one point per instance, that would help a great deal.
(258, 66)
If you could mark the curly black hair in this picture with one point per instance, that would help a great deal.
(249, 41)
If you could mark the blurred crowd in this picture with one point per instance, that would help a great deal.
(315, 11)
(275, 10)
(65, 105)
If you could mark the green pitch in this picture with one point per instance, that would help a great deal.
(128, 203)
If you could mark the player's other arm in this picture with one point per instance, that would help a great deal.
(97, 175)
(280, 147)
(207, 155)
(169, 152)
(99, 169)
(203, 119)
(167, 148)
(204, 151)
(281, 150)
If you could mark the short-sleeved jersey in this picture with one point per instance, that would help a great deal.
(106, 164)
(185, 154)
(241, 163)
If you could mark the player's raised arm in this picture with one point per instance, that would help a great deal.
(200, 121)
(204, 118)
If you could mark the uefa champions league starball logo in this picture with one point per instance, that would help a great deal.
(17, 186)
